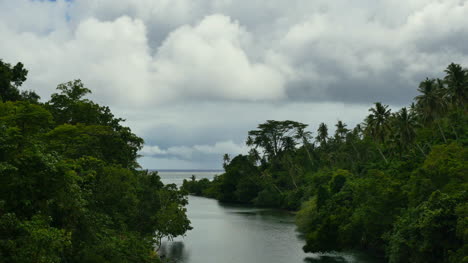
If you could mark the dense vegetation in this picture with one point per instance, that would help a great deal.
(396, 184)
(70, 190)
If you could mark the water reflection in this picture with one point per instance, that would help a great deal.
(174, 251)
(325, 259)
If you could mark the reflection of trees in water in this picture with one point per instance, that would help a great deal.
(325, 259)
(173, 252)
(261, 214)
(351, 257)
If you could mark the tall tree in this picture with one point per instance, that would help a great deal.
(11, 78)
(275, 137)
(341, 130)
(322, 134)
(377, 124)
(431, 104)
(305, 137)
(226, 160)
(404, 124)
(457, 84)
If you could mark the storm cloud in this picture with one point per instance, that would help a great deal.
(193, 76)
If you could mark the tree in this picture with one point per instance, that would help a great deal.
(378, 126)
(226, 160)
(431, 104)
(341, 130)
(457, 84)
(427, 232)
(322, 134)
(274, 137)
(11, 78)
(70, 106)
(405, 124)
(306, 136)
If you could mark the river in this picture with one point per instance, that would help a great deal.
(240, 234)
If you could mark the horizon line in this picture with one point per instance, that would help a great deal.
(188, 170)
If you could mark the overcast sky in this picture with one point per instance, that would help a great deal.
(193, 76)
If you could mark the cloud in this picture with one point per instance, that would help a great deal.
(188, 153)
(110, 57)
(208, 62)
(171, 51)
(189, 157)
(189, 73)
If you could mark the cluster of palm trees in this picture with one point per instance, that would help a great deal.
(383, 131)
(398, 131)
(437, 98)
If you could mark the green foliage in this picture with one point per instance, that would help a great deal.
(240, 183)
(268, 197)
(196, 187)
(444, 169)
(10, 79)
(275, 137)
(69, 187)
(427, 232)
(31, 240)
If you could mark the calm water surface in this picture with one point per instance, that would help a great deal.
(239, 234)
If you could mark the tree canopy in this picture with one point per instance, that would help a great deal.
(70, 186)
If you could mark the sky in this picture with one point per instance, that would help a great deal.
(192, 77)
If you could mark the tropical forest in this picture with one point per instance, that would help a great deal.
(70, 186)
(395, 185)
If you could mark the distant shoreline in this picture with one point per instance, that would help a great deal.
(187, 170)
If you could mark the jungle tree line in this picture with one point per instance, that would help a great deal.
(396, 184)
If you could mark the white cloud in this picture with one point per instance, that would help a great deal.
(110, 57)
(208, 61)
(222, 148)
(193, 76)
(187, 153)
(232, 50)
(113, 58)
(170, 12)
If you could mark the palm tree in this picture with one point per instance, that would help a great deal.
(226, 160)
(341, 131)
(405, 124)
(377, 125)
(305, 136)
(431, 104)
(457, 84)
(322, 134)
(254, 156)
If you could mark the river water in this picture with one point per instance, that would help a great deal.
(240, 234)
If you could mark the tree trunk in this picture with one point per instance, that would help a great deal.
(291, 172)
(276, 187)
(383, 156)
(308, 154)
(357, 152)
(293, 180)
(419, 147)
(454, 132)
(441, 132)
